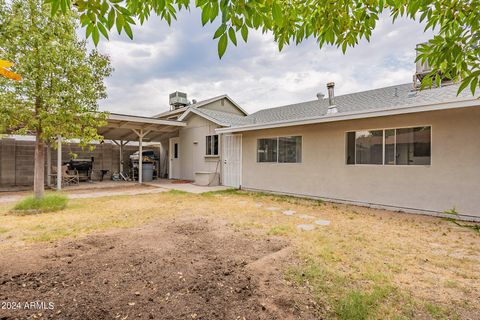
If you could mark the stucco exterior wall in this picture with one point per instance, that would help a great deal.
(192, 148)
(223, 105)
(452, 179)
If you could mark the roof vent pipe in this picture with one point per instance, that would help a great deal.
(332, 108)
(320, 96)
(331, 94)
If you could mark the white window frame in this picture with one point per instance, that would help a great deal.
(212, 145)
(383, 147)
(277, 138)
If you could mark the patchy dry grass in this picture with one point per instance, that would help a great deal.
(367, 264)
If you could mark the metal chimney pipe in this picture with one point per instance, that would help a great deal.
(331, 93)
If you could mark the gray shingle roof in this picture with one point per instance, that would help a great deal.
(383, 98)
(226, 117)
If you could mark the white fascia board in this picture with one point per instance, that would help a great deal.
(236, 105)
(201, 114)
(146, 120)
(354, 116)
(223, 96)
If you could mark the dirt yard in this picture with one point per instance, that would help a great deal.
(231, 255)
(192, 268)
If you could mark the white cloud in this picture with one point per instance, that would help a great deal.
(161, 60)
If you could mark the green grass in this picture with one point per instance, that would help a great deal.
(49, 203)
(435, 311)
(280, 230)
(360, 305)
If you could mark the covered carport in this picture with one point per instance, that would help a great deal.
(122, 129)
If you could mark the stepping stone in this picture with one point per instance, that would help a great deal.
(273, 209)
(322, 222)
(306, 227)
(289, 212)
(242, 203)
(306, 216)
(258, 205)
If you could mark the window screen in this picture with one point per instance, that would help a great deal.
(267, 150)
(280, 149)
(369, 147)
(211, 145)
(290, 149)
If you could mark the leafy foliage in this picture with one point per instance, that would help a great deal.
(62, 81)
(454, 52)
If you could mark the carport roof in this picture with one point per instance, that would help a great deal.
(128, 128)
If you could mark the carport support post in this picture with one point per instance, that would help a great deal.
(121, 156)
(59, 163)
(140, 135)
(140, 157)
(120, 145)
(49, 165)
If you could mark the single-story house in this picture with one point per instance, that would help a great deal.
(396, 147)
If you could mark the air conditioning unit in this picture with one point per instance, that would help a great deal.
(178, 100)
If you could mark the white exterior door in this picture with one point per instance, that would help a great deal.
(232, 160)
(174, 156)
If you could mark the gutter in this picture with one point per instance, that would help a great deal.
(354, 115)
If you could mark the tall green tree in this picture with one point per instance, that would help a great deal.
(62, 80)
(454, 51)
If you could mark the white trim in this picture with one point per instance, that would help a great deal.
(146, 120)
(212, 145)
(171, 154)
(200, 104)
(278, 149)
(240, 160)
(384, 129)
(236, 105)
(354, 115)
(201, 114)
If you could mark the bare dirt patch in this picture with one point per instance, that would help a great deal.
(188, 268)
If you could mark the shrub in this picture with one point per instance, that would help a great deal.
(49, 203)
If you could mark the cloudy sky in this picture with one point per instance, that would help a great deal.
(161, 60)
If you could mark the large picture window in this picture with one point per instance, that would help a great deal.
(280, 150)
(403, 146)
(212, 145)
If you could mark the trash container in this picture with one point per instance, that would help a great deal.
(147, 172)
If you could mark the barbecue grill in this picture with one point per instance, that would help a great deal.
(84, 167)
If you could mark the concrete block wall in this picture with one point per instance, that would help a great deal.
(7, 161)
(17, 160)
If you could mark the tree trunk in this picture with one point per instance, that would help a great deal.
(39, 172)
